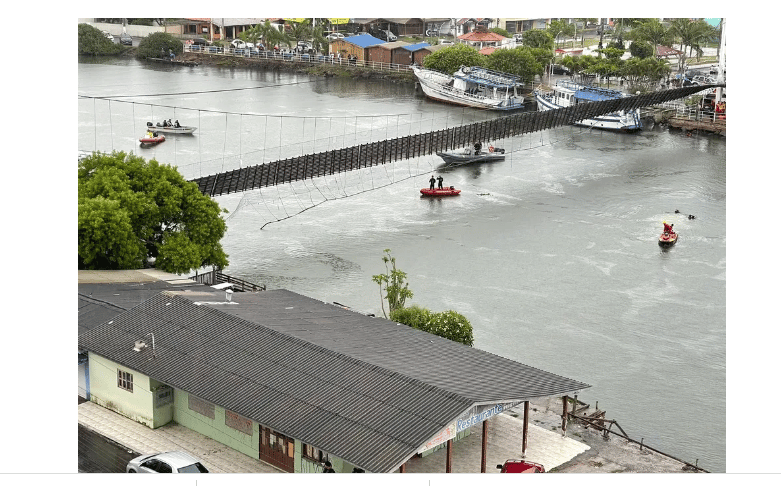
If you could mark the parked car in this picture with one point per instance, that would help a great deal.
(445, 42)
(520, 466)
(108, 36)
(125, 39)
(240, 44)
(305, 47)
(166, 462)
(559, 69)
(334, 36)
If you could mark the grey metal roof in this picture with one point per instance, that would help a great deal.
(365, 389)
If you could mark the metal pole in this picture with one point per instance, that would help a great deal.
(525, 427)
(485, 446)
(449, 457)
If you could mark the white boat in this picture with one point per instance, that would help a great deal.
(470, 154)
(180, 129)
(472, 86)
(567, 93)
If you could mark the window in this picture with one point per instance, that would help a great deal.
(125, 380)
(311, 452)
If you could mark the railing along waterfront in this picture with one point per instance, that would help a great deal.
(297, 57)
(421, 144)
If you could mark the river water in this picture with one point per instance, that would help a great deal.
(551, 254)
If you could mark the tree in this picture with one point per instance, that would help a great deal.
(92, 41)
(131, 210)
(519, 61)
(644, 74)
(641, 49)
(653, 32)
(538, 38)
(450, 59)
(157, 42)
(396, 289)
(449, 324)
(500, 31)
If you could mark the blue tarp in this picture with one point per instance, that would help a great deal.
(364, 40)
(597, 95)
(417, 47)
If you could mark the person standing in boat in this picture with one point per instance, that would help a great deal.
(478, 146)
(668, 228)
(439, 182)
(431, 182)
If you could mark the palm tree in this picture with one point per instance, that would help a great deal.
(692, 35)
(652, 31)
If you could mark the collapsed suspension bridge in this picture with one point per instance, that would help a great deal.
(386, 151)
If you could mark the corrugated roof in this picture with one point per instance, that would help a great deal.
(394, 44)
(365, 389)
(482, 37)
(417, 47)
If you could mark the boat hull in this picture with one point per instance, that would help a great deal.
(612, 121)
(181, 130)
(152, 140)
(439, 192)
(668, 240)
(436, 87)
(452, 158)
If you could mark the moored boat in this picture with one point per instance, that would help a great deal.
(181, 129)
(567, 93)
(472, 86)
(446, 191)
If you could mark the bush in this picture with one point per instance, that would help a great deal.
(449, 324)
(92, 41)
(641, 49)
(159, 42)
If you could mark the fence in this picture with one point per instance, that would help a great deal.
(295, 57)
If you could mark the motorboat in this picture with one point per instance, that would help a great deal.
(147, 140)
(182, 130)
(472, 86)
(668, 237)
(446, 191)
(472, 154)
(568, 93)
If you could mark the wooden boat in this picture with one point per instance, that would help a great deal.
(151, 140)
(472, 86)
(445, 191)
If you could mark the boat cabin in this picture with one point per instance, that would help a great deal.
(567, 93)
(486, 83)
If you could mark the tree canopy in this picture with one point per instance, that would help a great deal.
(131, 210)
(520, 61)
(92, 41)
(538, 38)
(158, 42)
(449, 59)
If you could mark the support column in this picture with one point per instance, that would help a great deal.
(449, 457)
(525, 428)
(403, 468)
(564, 415)
(485, 446)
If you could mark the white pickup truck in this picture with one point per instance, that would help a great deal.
(240, 44)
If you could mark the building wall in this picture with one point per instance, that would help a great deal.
(136, 405)
(215, 427)
(379, 54)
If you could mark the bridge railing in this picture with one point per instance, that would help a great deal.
(296, 57)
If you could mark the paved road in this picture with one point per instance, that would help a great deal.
(100, 455)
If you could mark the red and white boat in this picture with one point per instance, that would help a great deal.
(151, 140)
(520, 466)
(668, 237)
(445, 191)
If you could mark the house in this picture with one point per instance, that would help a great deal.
(293, 381)
(517, 26)
(356, 45)
(481, 39)
(413, 53)
(391, 53)
(464, 26)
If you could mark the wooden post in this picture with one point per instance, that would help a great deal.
(525, 428)
(449, 457)
(485, 446)
(403, 468)
(564, 416)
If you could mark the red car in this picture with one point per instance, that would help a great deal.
(519, 466)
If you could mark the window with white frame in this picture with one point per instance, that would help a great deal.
(125, 380)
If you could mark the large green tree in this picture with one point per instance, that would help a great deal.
(131, 210)
(520, 61)
(449, 59)
(538, 38)
(92, 41)
(158, 43)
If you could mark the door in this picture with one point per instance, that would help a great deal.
(277, 449)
